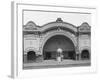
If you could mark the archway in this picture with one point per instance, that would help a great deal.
(85, 55)
(55, 42)
(31, 56)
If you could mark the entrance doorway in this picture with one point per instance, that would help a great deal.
(55, 42)
(31, 56)
(69, 55)
(85, 55)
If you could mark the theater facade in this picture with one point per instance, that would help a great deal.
(56, 39)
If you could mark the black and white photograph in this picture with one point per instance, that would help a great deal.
(54, 39)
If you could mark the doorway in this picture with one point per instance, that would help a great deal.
(85, 55)
(31, 56)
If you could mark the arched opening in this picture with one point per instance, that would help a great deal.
(54, 43)
(85, 55)
(31, 56)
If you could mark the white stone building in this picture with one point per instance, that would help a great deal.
(42, 42)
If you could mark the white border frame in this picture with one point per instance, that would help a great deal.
(17, 68)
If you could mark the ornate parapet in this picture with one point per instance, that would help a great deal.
(84, 28)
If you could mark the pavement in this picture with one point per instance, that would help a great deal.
(54, 64)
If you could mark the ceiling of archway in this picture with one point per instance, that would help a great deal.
(59, 41)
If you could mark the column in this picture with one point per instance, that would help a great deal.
(41, 54)
(77, 53)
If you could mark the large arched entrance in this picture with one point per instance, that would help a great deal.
(55, 42)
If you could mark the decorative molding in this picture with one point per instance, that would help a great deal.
(30, 26)
(84, 27)
(59, 20)
(30, 49)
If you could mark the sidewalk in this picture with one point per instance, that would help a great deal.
(53, 64)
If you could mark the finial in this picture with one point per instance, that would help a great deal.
(59, 20)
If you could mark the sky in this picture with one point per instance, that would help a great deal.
(40, 17)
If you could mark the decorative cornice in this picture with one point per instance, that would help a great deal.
(85, 27)
(31, 27)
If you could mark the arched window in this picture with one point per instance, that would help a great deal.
(31, 55)
(85, 54)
